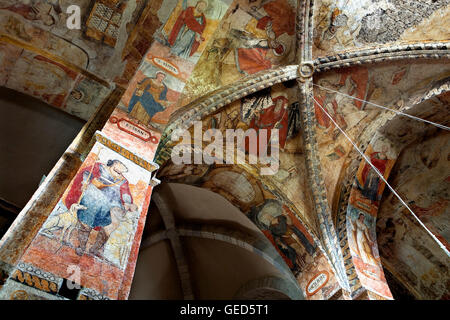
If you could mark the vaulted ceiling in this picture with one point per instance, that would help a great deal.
(338, 65)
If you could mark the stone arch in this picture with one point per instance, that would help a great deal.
(265, 202)
(393, 136)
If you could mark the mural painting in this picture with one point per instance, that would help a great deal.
(272, 108)
(292, 240)
(121, 127)
(21, 30)
(424, 167)
(405, 248)
(8, 56)
(361, 216)
(184, 49)
(154, 92)
(61, 87)
(346, 24)
(293, 243)
(253, 36)
(99, 42)
(277, 108)
(341, 93)
(420, 175)
(34, 71)
(95, 224)
(53, 88)
(86, 96)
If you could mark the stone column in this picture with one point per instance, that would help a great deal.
(88, 245)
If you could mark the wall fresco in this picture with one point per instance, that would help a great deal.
(405, 248)
(40, 39)
(360, 119)
(89, 50)
(53, 89)
(270, 201)
(186, 28)
(292, 240)
(361, 216)
(345, 25)
(121, 127)
(86, 97)
(367, 190)
(187, 48)
(252, 36)
(105, 204)
(50, 81)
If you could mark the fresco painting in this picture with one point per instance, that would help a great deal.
(121, 127)
(289, 236)
(365, 256)
(255, 111)
(8, 56)
(353, 116)
(292, 240)
(95, 222)
(64, 85)
(154, 92)
(286, 233)
(252, 36)
(164, 54)
(19, 29)
(85, 97)
(189, 27)
(318, 280)
(53, 88)
(295, 245)
(424, 181)
(35, 20)
(61, 87)
(428, 197)
(349, 24)
(362, 212)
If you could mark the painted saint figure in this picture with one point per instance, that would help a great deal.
(252, 53)
(327, 101)
(149, 98)
(101, 189)
(291, 242)
(364, 241)
(275, 116)
(186, 35)
(285, 234)
(370, 180)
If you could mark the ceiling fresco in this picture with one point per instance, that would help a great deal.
(252, 36)
(94, 51)
(421, 176)
(360, 119)
(320, 73)
(291, 238)
(350, 24)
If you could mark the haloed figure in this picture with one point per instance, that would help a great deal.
(149, 98)
(186, 35)
(101, 189)
(363, 240)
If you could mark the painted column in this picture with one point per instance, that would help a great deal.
(362, 211)
(88, 246)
